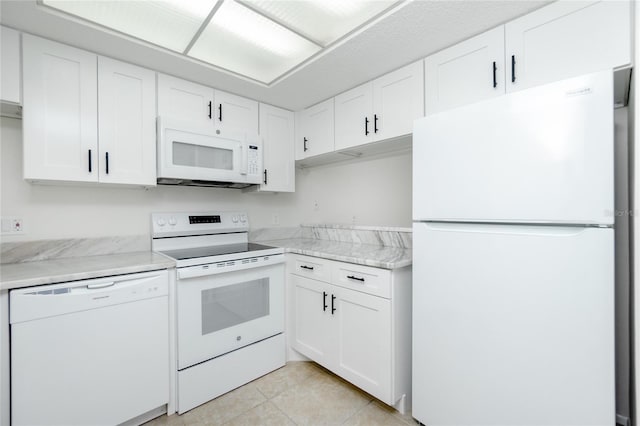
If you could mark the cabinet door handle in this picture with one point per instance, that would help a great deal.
(495, 81)
(353, 277)
(366, 126)
(209, 110)
(305, 140)
(333, 307)
(324, 301)
(375, 123)
(265, 176)
(90, 161)
(307, 267)
(513, 68)
(220, 112)
(106, 162)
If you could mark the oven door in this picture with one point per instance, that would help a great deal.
(222, 312)
(186, 152)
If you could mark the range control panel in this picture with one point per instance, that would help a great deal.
(198, 223)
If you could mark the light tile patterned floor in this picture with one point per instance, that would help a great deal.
(300, 393)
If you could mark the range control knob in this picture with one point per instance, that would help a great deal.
(161, 221)
(243, 218)
(172, 221)
(235, 219)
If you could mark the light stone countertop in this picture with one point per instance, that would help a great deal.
(360, 254)
(27, 274)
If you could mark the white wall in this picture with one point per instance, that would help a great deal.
(375, 191)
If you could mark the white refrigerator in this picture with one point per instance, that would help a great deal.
(513, 267)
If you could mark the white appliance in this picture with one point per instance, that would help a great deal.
(189, 155)
(230, 302)
(93, 352)
(513, 269)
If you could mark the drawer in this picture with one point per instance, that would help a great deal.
(366, 279)
(311, 267)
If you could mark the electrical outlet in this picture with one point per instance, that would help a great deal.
(12, 225)
(275, 219)
(316, 206)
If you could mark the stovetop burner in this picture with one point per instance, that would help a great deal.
(199, 252)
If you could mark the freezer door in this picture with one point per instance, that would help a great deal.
(513, 325)
(539, 155)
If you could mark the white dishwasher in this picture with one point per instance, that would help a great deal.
(92, 352)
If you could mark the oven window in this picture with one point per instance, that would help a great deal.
(225, 307)
(190, 155)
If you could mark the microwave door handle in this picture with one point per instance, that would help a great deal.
(243, 159)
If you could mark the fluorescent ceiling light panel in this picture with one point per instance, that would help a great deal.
(247, 43)
(323, 21)
(259, 39)
(170, 23)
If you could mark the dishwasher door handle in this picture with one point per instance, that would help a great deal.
(101, 285)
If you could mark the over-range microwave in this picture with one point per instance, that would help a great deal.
(192, 155)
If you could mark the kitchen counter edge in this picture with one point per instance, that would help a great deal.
(28, 274)
(360, 254)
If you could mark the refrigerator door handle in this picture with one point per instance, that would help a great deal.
(504, 228)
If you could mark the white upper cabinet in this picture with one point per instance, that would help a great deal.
(86, 119)
(60, 131)
(235, 112)
(10, 65)
(398, 99)
(211, 110)
(354, 117)
(126, 117)
(186, 101)
(381, 109)
(316, 134)
(566, 39)
(277, 132)
(562, 40)
(465, 73)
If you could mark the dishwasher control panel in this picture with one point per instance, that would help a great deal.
(33, 303)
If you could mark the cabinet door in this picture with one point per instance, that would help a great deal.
(364, 341)
(567, 39)
(317, 129)
(277, 132)
(10, 63)
(313, 334)
(60, 129)
(235, 112)
(185, 101)
(398, 99)
(126, 117)
(465, 73)
(354, 117)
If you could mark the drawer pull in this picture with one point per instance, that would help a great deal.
(307, 267)
(353, 277)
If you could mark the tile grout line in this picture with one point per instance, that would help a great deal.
(283, 412)
(357, 411)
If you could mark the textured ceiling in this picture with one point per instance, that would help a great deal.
(413, 31)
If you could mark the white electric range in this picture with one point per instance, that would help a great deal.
(229, 302)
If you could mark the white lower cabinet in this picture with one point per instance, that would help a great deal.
(314, 336)
(363, 335)
(348, 328)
